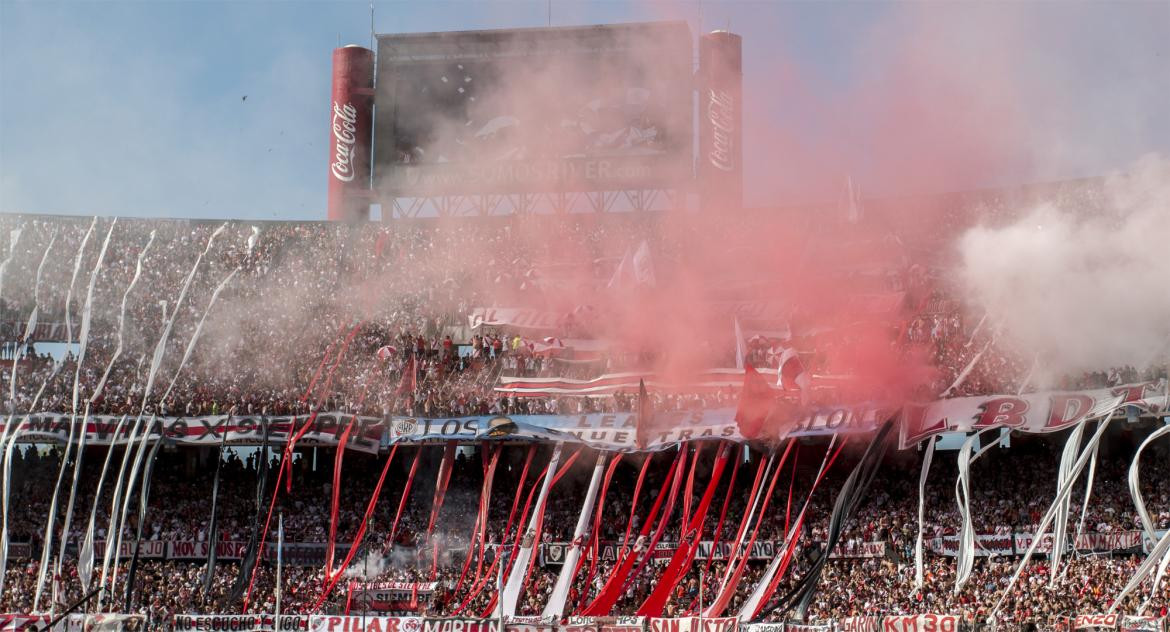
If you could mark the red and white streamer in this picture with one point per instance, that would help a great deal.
(511, 592)
(556, 603)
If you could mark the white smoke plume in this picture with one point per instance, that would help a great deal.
(1082, 284)
(375, 564)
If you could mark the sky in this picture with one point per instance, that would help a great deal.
(136, 108)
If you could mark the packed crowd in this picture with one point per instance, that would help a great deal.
(389, 306)
(394, 304)
(1011, 489)
(374, 319)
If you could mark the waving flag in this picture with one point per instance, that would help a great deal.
(790, 372)
(755, 400)
(636, 268)
(643, 431)
(608, 384)
(409, 381)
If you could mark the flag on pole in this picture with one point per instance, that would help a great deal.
(642, 430)
(790, 371)
(636, 268)
(755, 400)
(740, 345)
(279, 562)
(409, 381)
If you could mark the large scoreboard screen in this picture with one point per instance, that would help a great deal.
(532, 110)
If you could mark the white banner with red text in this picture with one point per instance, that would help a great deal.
(1142, 624)
(1034, 412)
(391, 596)
(859, 624)
(1095, 622)
(693, 624)
(237, 622)
(1043, 412)
(1016, 544)
(921, 623)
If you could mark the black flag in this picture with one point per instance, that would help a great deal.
(250, 553)
(213, 530)
(848, 500)
(143, 501)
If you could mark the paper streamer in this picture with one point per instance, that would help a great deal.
(556, 603)
(919, 541)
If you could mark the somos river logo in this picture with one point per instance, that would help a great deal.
(344, 141)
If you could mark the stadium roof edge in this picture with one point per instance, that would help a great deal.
(533, 29)
(1031, 188)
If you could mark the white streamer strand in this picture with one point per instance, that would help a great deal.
(155, 363)
(1135, 487)
(13, 239)
(556, 603)
(1088, 495)
(6, 472)
(1155, 560)
(6, 465)
(511, 592)
(1048, 516)
(118, 348)
(85, 554)
(82, 346)
(966, 557)
(73, 280)
(1072, 454)
(919, 544)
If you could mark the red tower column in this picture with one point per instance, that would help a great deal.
(720, 168)
(352, 115)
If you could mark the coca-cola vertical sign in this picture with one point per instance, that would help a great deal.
(351, 118)
(720, 168)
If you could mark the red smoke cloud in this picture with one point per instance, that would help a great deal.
(930, 108)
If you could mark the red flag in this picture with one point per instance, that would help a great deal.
(684, 556)
(385, 353)
(409, 381)
(790, 373)
(755, 400)
(335, 501)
